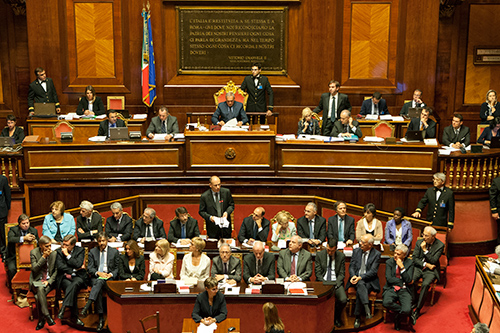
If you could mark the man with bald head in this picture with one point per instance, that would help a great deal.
(295, 263)
(259, 265)
(312, 226)
(346, 127)
(216, 202)
(255, 227)
(149, 227)
(164, 123)
(225, 267)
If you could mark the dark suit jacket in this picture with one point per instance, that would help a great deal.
(247, 228)
(407, 106)
(14, 237)
(125, 227)
(208, 208)
(233, 268)
(124, 269)
(432, 256)
(495, 195)
(155, 125)
(158, 229)
(343, 104)
(366, 107)
(222, 113)
(95, 224)
(371, 276)
(390, 273)
(104, 127)
(38, 262)
(339, 128)
(449, 136)
(304, 264)
(113, 262)
(321, 266)
(257, 95)
(18, 134)
(438, 215)
(429, 132)
(174, 232)
(66, 266)
(485, 110)
(202, 309)
(319, 228)
(268, 266)
(333, 231)
(37, 94)
(4, 197)
(312, 129)
(486, 135)
(98, 107)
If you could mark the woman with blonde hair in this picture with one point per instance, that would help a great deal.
(308, 125)
(195, 264)
(490, 108)
(273, 323)
(58, 224)
(283, 229)
(161, 261)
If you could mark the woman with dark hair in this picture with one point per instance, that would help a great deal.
(210, 306)
(490, 132)
(132, 266)
(398, 230)
(489, 109)
(12, 131)
(369, 224)
(90, 104)
(273, 323)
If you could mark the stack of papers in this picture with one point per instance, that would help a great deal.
(97, 138)
(385, 117)
(371, 117)
(206, 329)
(372, 139)
(221, 222)
(430, 142)
(398, 118)
(140, 116)
(159, 137)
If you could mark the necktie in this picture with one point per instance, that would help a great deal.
(292, 271)
(398, 275)
(341, 230)
(334, 113)
(163, 128)
(44, 271)
(421, 126)
(255, 231)
(376, 109)
(217, 204)
(89, 224)
(329, 273)
(101, 262)
(148, 231)
(362, 270)
(259, 266)
(311, 231)
(231, 111)
(346, 130)
(456, 135)
(183, 231)
(225, 268)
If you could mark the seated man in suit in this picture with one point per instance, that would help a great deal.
(259, 265)
(346, 127)
(103, 267)
(71, 275)
(255, 227)
(426, 261)
(225, 267)
(183, 228)
(164, 123)
(398, 276)
(330, 267)
(428, 126)
(341, 225)
(332, 103)
(88, 223)
(149, 227)
(416, 102)
(456, 135)
(363, 276)
(295, 263)
(42, 278)
(228, 110)
(112, 121)
(311, 225)
(119, 226)
(20, 233)
(375, 105)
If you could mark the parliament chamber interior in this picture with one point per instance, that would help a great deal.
(266, 110)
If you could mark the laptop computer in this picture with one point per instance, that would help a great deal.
(414, 112)
(415, 136)
(7, 142)
(495, 142)
(118, 133)
(45, 109)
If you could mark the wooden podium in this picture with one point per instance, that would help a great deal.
(189, 326)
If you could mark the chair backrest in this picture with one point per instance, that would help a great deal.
(116, 102)
(61, 126)
(318, 118)
(240, 257)
(367, 97)
(383, 129)
(239, 95)
(480, 129)
(7, 228)
(23, 259)
(174, 268)
(288, 214)
(145, 320)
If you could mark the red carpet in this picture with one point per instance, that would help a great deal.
(448, 315)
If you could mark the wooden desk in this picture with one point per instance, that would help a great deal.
(190, 326)
(485, 306)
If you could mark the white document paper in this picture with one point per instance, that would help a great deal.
(247, 246)
(430, 142)
(372, 139)
(160, 137)
(140, 116)
(231, 290)
(179, 245)
(340, 245)
(222, 222)
(282, 244)
(385, 117)
(206, 329)
(371, 117)
(398, 118)
(288, 136)
(102, 116)
(178, 135)
(97, 138)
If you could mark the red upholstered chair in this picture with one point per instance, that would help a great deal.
(239, 95)
(486, 309)
(351, 298)
(495, 321)
(21, 280)
(442, 235)
(383, 129)
(61, 126)
(116, 102)
(476, 295)
(480, 129)
(51, 301)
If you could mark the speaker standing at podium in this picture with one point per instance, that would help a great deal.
(216, 202)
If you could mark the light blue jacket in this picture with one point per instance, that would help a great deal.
(50, 226)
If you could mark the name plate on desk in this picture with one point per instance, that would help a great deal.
(165, 288)
(273, 289)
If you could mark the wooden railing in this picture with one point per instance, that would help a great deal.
(12, 167)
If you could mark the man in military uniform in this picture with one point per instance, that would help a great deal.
(256, 86)
(42, 90)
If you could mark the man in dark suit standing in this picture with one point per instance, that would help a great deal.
(164, 123)
(332, 103)
(416, 102)
(330, 267)
(20, 233)
(103, 267)
(259, 265)
(256, 86)
(42, 278)
(398, 275)
(215, 203)
(424, 124)
(456, 135)
(88, 223)
(346, 127)
(149, 227)
(311, 225)
(119, 226)
(183, 228)
(295, 263)
(71, 275)
(341, 226)
(42, 90)
(4, 212)
(426, 261)
(228, 110)
(363, 271)
(375, 105)
(111, 122)
(441, 200)
(495, 203)
(226, 267)
(255, 227)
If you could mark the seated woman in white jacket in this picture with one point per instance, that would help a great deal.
(161, 261)
(195, 264)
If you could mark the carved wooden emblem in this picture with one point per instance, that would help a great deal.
(230, 153)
